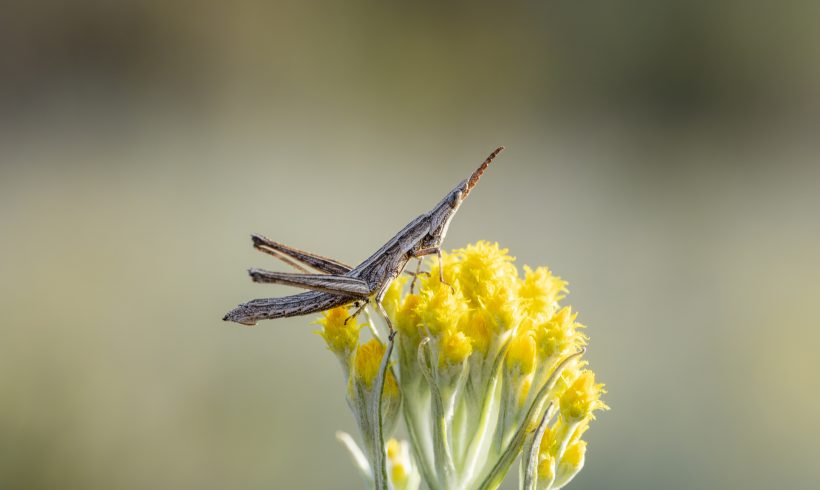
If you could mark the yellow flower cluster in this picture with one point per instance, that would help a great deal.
(485, 313)
(481, 358)
(485, 299)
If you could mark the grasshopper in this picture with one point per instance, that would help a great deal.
(338, 284)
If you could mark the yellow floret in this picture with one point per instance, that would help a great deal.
(392, 298)
(540, 292)
(546, 467)
(368, 359)
(574, 455)
(581, 398)
(479, 326)
(406, 320)
(455, 347)
(560, 334)
(521, 355)
(440, 309)
(340, 338)
(487, 274)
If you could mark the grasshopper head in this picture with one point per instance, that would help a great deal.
(446, 209)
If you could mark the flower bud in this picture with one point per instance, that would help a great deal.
(571, 463)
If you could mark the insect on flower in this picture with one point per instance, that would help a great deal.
(337, 284)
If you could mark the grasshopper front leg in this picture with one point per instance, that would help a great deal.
(416, 274)
(430, 251)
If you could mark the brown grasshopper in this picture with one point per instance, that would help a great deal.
(339, 284)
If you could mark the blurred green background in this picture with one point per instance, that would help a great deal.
(662, 157)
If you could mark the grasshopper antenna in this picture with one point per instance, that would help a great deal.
(480, 170)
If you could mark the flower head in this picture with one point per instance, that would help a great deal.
(483, 360)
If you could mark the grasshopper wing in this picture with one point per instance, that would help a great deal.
(328, 283)
(286, 253)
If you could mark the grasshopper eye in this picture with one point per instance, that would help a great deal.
(454, 202)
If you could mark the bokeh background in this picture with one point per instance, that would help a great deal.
(662, 157)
